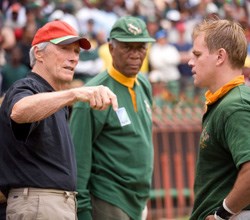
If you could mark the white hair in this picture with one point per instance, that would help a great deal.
(41, 46)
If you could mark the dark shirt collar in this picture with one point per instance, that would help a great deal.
(41, 80)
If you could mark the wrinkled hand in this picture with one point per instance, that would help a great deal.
(210, 217)
(99, 97)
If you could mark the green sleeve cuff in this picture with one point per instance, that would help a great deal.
(84, 215)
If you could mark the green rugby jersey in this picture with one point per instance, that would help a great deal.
(224, 146)
(114, 150)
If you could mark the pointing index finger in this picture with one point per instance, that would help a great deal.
(114, 102)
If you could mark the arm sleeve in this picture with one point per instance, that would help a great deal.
(81, 129)
(20, 131)
(237, 136)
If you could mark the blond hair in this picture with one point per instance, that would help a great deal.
(225, 34)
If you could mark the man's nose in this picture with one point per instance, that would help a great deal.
(190, 62)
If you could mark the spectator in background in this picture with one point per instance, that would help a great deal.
(89, 65)
(14, 69)
(35, 8)
(7, 42)
(68, 15)
(91, 30)
(25, 42)
(173, 17)
(246, 71)
(16, 16)
(235, 10)
(48, 8)
(164, 59)
(56, 15)
(115, 154)
(184, 48)
(103, 52)
(103, 20)
(152, 25)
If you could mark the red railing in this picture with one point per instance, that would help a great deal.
(176, 144)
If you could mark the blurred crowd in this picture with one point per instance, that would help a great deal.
(170, 22)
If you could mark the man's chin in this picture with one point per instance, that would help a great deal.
(133, 71)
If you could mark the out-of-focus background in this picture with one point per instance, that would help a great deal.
(178, 105)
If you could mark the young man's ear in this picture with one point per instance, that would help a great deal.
(221, 56)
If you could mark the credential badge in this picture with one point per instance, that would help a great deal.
(123, 116)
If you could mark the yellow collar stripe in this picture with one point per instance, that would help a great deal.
(213, 97)
(126, 81)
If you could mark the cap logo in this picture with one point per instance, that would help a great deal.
(133, 29)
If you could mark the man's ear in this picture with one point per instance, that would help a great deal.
(221, 56)
(110, 47)
(38, 53)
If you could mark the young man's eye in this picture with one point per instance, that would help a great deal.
(197, 54)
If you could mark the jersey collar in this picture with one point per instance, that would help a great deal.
(121, 78)
(213, 97)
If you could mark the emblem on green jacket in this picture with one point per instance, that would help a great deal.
(148, 107)
(204, 138)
